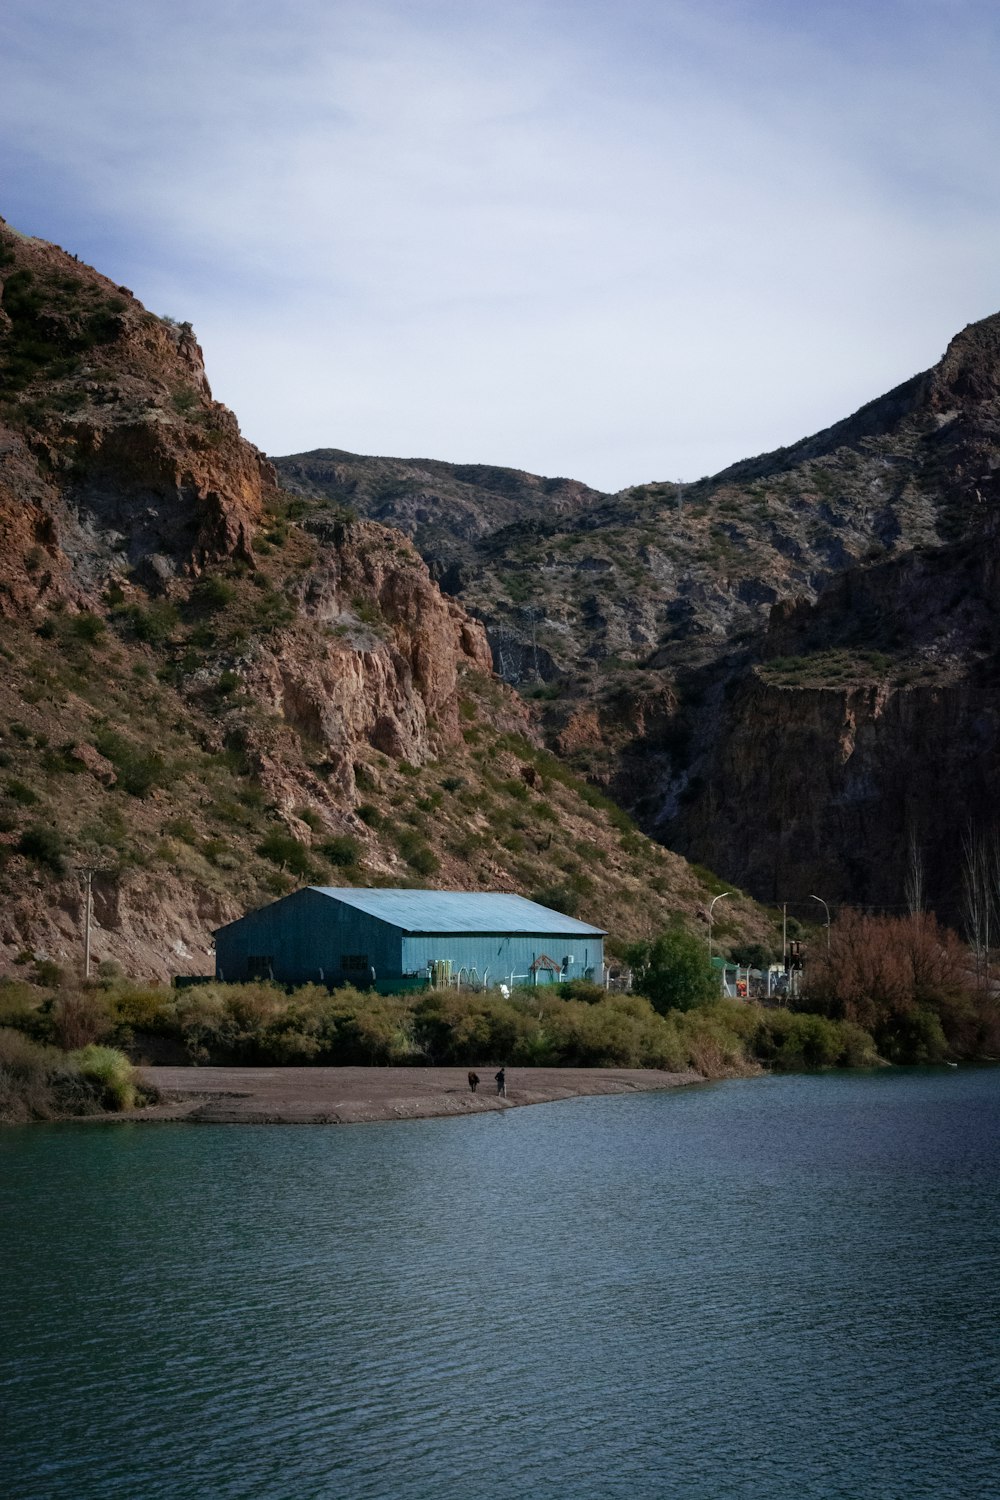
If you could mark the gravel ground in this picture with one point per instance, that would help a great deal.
(343, 1096)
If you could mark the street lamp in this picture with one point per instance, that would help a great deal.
(827, 910)
(711, 907)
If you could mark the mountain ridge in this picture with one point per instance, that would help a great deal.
(212, 690)
(631, 618)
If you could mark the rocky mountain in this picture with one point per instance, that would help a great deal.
(745, 661)
(864, 734)
(212, 690)
(664, 575)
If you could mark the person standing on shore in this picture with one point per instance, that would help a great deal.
(501, 1078)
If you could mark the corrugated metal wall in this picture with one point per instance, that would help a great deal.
(304, 936)
(307, 936)
(503, 955)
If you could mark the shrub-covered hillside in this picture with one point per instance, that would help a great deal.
(212, 691)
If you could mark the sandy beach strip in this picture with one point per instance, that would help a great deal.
(347, 1096)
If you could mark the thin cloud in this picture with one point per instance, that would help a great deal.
(620, 246)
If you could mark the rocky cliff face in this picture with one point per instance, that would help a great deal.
(372, 657)
(868, 726)
(785, 670)
(121, 478)
(575, 586)
(113, 456)
(212, 690)
(215, 686)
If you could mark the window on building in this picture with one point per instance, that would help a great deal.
(355, 962)
(260, 966)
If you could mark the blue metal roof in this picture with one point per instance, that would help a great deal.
(458, 911)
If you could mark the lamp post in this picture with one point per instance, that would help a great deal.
(711, 907)
(827, 910)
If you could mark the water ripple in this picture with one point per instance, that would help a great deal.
(779, 1288)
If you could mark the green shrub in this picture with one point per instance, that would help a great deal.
(418, 855)
(61, 762)
(154, 625)
(464, 844)
(45, 846)
(111, 1072)
(39, 1082)
(212, 593)
(568, 1025)
(712, 883)
(674, 971)
(48, 972)
(284, 850)
(914, 1038)
(423, 860)
(341, 850)
(559, 898)
(181, 828)
(226, 810)
(85, 627)
(25, 1074)
(271, 611)
(185, 400)
(217, 852)
(21, 1007)
(712, 1040)
(367, 610)
(138, 770)
(20, 792)
(791, 1041)
(369, 813)
(581, 989)
(141, 1009)
(751, 956)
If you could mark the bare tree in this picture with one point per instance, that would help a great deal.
(978, 895)
(993, 871)
(913, 885)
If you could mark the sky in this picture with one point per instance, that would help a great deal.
(616, 242)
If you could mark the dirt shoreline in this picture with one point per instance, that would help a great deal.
(348, 1096)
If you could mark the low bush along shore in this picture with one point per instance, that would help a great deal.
(65, 1048)
(39, 1082)
(67, 1051)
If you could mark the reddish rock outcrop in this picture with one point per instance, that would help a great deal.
(122, 484)
(113, 456)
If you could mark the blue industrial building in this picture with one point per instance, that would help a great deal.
(395, 939)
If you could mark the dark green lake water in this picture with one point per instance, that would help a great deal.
(780, 1287)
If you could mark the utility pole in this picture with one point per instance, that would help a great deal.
(784, 936)
(88, 911)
